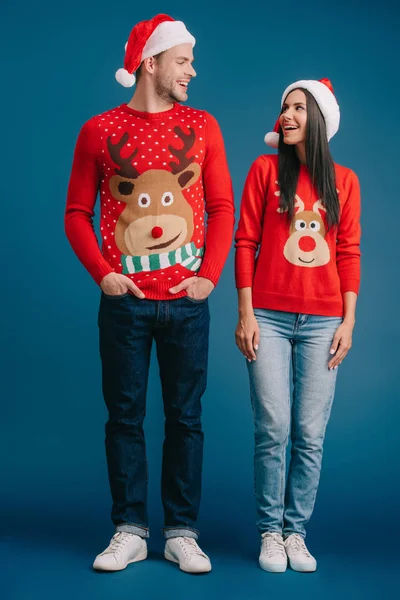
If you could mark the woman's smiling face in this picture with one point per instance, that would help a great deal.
(293, 118)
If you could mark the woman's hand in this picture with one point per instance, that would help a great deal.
(341, 343)
(247, 335)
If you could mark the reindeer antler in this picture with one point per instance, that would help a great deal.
(125, 164)
(183, 160)
(299, 204)
(318, 206)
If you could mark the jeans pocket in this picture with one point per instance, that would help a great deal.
(113, 297)
(194, 301)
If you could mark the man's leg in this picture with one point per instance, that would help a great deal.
(125, 324)
(182, 350)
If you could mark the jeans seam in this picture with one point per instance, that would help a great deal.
(295, 326)
(283, 474)
(327, 414)
(290, 429)
(167, 313)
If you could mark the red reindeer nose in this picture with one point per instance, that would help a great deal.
(157, 232)
(307, 243)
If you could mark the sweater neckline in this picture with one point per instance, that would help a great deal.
(148, 115)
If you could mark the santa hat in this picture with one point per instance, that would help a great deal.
(323, 94)
(149, 38)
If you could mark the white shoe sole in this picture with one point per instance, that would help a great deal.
(273, 568)
(301, 568)
(138, 558)
(172, 558)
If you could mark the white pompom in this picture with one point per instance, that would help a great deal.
(272, 139)
(124, 78)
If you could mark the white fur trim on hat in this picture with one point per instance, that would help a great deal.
(124, 78)
(167, 35)
(272, 139)
(325, 100)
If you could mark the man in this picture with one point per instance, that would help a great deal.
(159, 167)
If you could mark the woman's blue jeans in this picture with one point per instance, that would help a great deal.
(302, 341)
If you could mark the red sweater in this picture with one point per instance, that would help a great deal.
(157, 174)
(300, 267)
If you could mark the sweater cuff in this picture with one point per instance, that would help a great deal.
(350, 285)
(211, 271)
(244, 280)
(100, 270)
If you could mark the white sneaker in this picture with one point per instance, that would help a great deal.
(273, 554)
(186, 552)
(124, 548)
(299, 557)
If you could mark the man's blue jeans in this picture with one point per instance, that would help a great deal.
(180, 329)
(303, 341)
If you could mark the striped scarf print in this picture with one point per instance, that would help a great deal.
(188, 256)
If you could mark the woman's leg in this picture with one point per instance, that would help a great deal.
(270, 396)
(314, 387)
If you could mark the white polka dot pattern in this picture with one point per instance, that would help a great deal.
(152, 138)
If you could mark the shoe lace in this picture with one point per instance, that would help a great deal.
(272, 544)
(190, 546)
(118, 542)
(297, 544)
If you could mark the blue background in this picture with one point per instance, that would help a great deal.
(58, 64)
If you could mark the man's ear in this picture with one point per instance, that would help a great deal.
(149, 64)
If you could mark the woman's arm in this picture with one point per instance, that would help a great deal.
(348, 265)
(247, 333)
(342, 340)
(348, 237)
(248, 238)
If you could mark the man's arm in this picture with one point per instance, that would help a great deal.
(81, 199)
(219, 204)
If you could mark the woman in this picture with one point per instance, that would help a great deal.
(300, 213)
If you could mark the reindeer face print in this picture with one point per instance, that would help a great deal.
(157, 217)
(306, 245)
